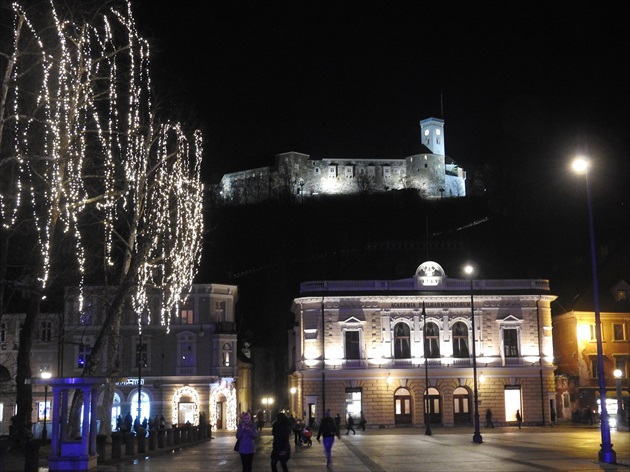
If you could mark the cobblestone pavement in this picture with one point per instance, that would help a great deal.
(563, 448)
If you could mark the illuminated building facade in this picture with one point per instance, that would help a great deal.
(190, 369)
(296, 175)
(371, 346)
(576, 351)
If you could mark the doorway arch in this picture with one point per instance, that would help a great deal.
(402, 407)
(433, 403)
(461, 406)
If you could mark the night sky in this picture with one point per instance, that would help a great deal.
(521, 82)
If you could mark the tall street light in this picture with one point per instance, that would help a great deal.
(606, 453)
(477, 434)
(45, 375)
(427, 415)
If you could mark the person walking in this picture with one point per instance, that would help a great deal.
(328, 430)
(350, 425)
(338, 423)
(519, 418)
(489, 423)
(297, 432)
(245, 437)
(281, 448)
(362, 421)
(553, 417)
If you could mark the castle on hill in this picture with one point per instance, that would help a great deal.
(296, 175)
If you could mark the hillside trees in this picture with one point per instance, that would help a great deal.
(95, 188)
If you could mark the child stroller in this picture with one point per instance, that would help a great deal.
(307, 435)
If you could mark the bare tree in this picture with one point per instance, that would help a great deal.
(90, 170)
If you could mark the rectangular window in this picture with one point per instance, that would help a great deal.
(510, 342)
(83, 356)
(187, 352)
(620, 363)
(353, 402)
(3, 333)
(593, 331)
(219, 311)
(512, 402)
(594, 368)
(142, 354)
(45, 331)
(87, 315)
(619, 332)
(352, 345)
(186, 317)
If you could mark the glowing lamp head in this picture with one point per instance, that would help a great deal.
(46, 375)
(580, 164)
(617, 373)
(469, 270)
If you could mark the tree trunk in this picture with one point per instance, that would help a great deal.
(24, 391)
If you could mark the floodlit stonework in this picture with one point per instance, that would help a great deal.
(371, 345)
(296, 175)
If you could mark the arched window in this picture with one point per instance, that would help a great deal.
(431, 341)
(402, 346)
(460, 340)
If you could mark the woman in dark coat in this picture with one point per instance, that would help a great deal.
(281, 450)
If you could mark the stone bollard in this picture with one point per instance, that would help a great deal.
(170, 437)
(129, 443)
(142, 441)
(152, 439)
(117, 445)
(31, 456)
(161, 438)
(101, 442)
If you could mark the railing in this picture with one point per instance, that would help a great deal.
(413, 284)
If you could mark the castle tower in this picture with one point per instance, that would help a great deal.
(432, 130)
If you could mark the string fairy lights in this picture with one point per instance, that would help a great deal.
(89, 152)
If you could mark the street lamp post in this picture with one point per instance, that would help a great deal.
(46, 376)
(427, 416)
(606, 453)
(477, 438)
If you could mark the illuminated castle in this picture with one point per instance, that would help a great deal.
(296, 175)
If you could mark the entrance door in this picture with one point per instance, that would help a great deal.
(219, 413)
(402, 407)
(461, 406)
(432, 397)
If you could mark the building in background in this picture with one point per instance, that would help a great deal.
(191, 369)
(575, 348)
(371, 345)
(297, 176)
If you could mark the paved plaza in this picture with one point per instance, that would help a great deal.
(563, 448)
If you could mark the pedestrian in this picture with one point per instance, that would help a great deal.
(362, 421)
(553, 416)
(589, 414)
(260, 420)
(328, 430)
(350, 425)
(156, 422)
(128, 421)
(489, 423)
(281, 448)
(519, 418)
(162, 422)
(338, 422)
(297, 431)
(245, 437)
